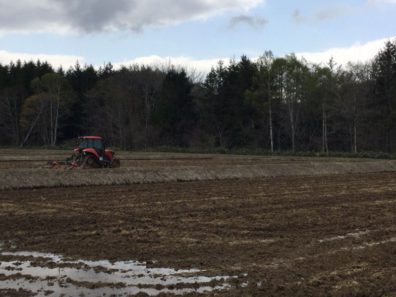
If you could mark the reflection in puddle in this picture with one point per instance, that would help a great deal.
(52, 275)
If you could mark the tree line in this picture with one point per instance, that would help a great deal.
(272, 104)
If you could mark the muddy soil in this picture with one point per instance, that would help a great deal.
(283, 236)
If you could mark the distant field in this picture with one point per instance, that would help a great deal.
(31, 167)
(245, 225)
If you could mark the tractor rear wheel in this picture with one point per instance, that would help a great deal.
(89, 162)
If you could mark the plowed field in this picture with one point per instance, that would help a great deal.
(328, 235)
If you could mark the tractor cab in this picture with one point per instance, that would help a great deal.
(91, 142)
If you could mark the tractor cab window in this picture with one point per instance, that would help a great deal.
(91, 143)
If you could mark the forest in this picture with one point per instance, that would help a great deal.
(272, 104)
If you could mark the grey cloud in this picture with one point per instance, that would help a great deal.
(108, 15)
(329, 13)
(297, 17)
(14, 16)
(326, 14)
(96, 15)
(252, 21)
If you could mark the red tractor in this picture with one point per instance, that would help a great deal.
(90, 153)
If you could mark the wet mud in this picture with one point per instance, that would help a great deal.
(282, 236)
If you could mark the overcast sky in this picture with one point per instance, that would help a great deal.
(192, 33)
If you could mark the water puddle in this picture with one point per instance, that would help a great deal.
(53, 275)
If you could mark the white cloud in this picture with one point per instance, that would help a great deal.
(358, 52)
(55, 60)
(342, 55)
(199, 66)
(104, 15)
(382, 1)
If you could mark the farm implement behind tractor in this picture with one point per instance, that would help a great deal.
(90, 153)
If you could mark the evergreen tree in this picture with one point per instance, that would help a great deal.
(175, 115)
(384, 106)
